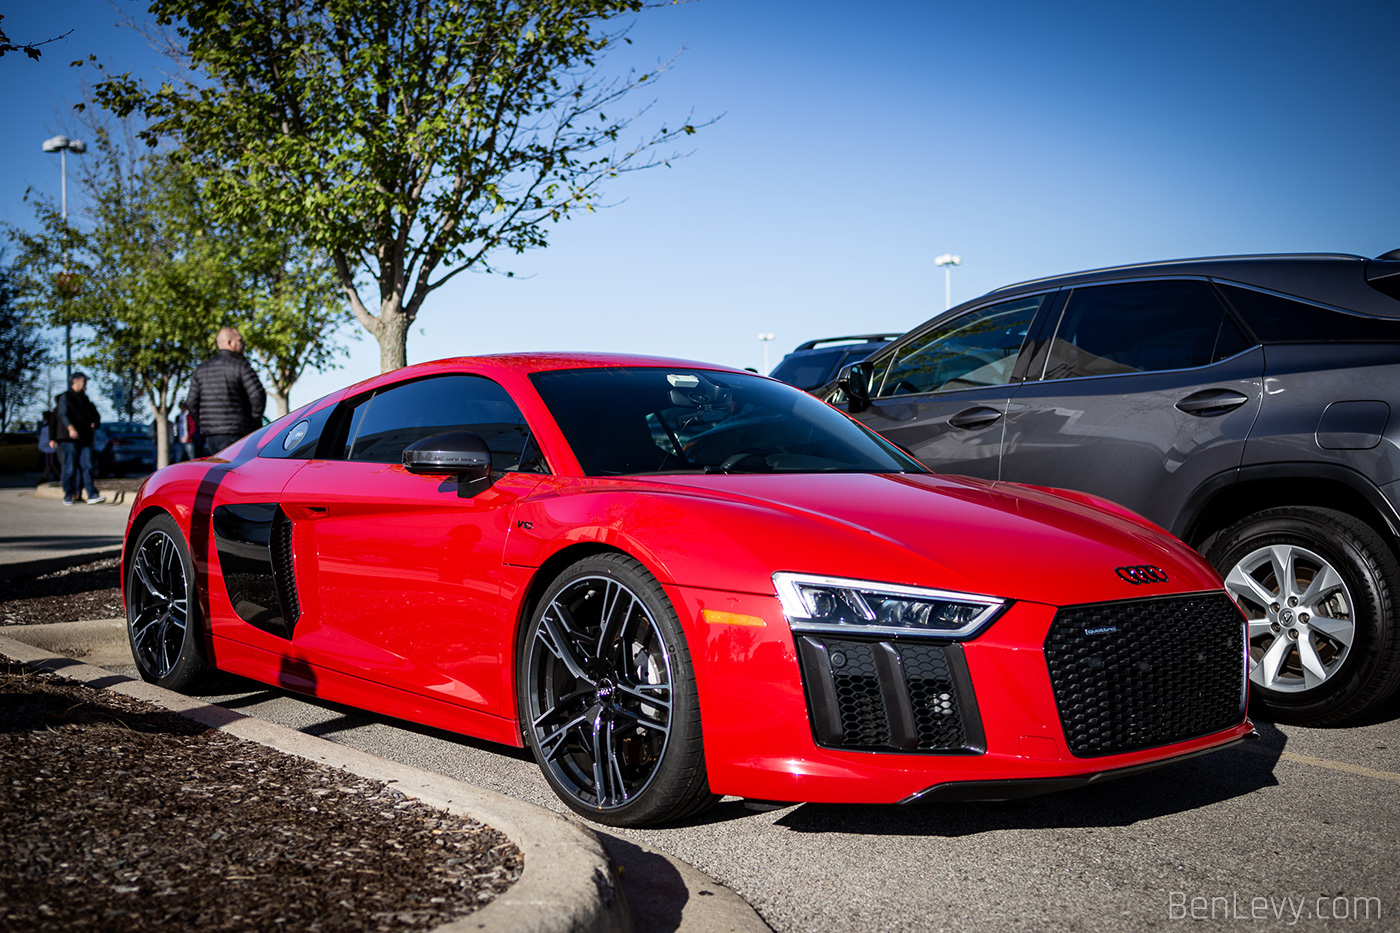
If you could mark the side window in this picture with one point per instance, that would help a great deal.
(976, 349)
(1275, 319)
(382, 425)
(1141, 327)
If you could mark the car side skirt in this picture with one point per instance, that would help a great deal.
(326, 684)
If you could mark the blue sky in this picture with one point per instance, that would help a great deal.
(859, 141)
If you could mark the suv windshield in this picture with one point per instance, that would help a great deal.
(630, 421)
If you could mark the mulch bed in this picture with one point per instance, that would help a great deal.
(75, 594)
(117, 815)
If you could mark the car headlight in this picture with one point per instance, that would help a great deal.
(863, 607)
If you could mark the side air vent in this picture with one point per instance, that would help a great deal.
(284, 570)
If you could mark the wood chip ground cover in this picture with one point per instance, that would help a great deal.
(116, 815)
(89, 591)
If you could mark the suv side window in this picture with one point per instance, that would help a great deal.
(1276, 319)
(1141, 327)
(975, 349)
(383, 424)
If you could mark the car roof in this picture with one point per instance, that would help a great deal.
(1335, 279)
(855, 339)
(523, 364)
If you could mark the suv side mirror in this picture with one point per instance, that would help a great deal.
(459, 453)
(855, 382)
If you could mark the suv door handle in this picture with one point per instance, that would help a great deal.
(1211, 402)
(978, 416)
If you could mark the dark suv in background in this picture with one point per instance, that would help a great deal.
(816, 362)
(1244, 403)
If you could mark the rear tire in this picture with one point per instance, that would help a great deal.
(1320, 589)
(607, 697)
(163, 621)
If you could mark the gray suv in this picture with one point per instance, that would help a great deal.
(1244, 403)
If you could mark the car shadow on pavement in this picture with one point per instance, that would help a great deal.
(656, 892)
(239, 693)
(1176, 788)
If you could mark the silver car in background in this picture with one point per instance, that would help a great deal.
(1245, 403)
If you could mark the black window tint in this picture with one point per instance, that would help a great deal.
(648, 420)
(1275, 319)
(976, 349)
(382, 425)
(809, 370)
(1141, 327)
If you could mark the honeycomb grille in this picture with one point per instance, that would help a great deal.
(1140, 673)
(864, 722)
(933, 697)
(889, 696)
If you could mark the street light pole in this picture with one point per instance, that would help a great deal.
(63, 145)
(765, 339)
(948, 261)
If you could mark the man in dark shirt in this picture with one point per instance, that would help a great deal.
(226, 398)
(77, 423)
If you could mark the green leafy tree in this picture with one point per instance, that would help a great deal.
(145, 274)
(291, 307)
(411, 140)
(23, 352)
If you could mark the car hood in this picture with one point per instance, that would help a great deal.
(999, 539)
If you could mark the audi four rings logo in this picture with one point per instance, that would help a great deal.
(1142, 573)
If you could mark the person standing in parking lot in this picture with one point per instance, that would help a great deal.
(77, 423)
(226, 398)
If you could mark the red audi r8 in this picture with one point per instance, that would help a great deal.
(673, 581)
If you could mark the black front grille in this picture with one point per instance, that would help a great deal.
(889, 695)
(1146, 672)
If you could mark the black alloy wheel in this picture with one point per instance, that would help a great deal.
(1321, 590)
(607, 696)
(162, 609)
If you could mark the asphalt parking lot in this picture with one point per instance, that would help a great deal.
(1297, 831)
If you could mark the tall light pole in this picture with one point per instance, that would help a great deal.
(765, 339)
(63, 145)
(948, 261)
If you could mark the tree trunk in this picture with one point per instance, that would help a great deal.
(280, 397)
(162, 436)
(393, 339)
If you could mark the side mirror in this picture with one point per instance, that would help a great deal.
(459, 453)
(855, 382)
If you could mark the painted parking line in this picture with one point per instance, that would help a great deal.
(1343, 766)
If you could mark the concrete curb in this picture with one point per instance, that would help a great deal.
(114, 496)
(568, 885)
(34, 568)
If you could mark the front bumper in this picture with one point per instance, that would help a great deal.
(770, 732)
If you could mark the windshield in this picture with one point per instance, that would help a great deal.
(629, 421)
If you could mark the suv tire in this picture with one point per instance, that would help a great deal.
(1318, 587)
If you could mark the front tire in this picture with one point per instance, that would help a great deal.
(1320, 589)
(607, 697)
(162, 609)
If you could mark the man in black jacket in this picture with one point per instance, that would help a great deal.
(77, 422)
(226, 398)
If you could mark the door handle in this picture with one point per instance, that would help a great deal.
(979, 416)
(1211, 402)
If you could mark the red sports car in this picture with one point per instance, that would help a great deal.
(674, 581)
